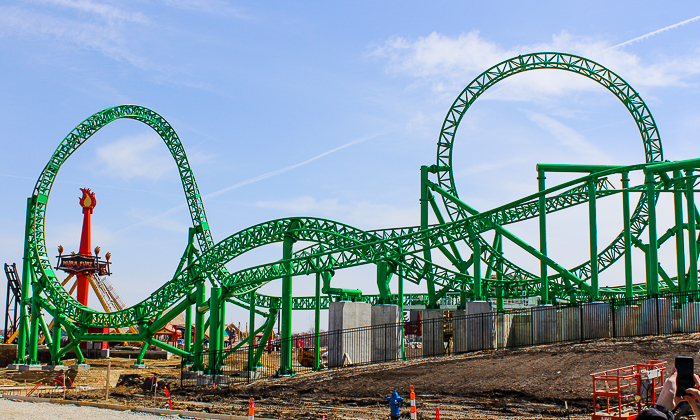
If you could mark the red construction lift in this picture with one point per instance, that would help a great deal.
(623, 392)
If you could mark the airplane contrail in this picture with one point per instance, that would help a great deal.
(289, 168)
(261, 177)
(658, 31)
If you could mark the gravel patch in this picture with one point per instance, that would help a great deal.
(20, 410)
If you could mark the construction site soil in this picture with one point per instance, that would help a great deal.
(521, 383)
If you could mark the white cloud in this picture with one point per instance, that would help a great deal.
(450, 63)
(136, 156)
(106, 11)
(362, 214)
(218, 7)
(569, 138)
(102, 28)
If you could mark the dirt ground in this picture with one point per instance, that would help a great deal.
(525, 383)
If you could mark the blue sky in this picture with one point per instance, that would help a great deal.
(261, 93)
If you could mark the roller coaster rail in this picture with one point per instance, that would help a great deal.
(201, 284)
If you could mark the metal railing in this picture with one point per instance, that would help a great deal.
(444, 333)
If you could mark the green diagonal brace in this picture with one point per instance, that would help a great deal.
(522, 244)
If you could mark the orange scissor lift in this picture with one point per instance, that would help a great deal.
(623, 392)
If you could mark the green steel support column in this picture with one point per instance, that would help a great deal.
(463, 296)
(403, 345)
(188, 329)
(566, 274)
(682, 282)
(142, 353)
(25, 300)
(477, 269)
(34, 328)
(692, 246)
(317, 324)
(499, 273)
(269, 325)
(80, 358)
(383, 277)
(48, 339)
(652, 255)
(544, 292)
(593, 238)
(56, 344)
(499, 298)
(199, 328)
(627, 234)
(242, 343)
(424, 206)
(286, 336)
(214, 337)
(251, 329)
(167, 347)
(188, 311)
(492, 259)
(222, 324)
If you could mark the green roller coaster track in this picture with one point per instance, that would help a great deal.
(404, 252)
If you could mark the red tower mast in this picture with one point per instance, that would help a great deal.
(83, 264)
(87, 202)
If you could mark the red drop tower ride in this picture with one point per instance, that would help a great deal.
(83, 264)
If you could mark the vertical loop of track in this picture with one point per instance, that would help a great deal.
(558, 61)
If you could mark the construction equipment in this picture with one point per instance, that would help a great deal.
(623, 392)
(305, 357)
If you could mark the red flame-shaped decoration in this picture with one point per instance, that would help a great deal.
(88, 201)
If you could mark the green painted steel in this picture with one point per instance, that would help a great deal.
(406, 252)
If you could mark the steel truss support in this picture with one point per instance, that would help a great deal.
(678, 188)
(26, 283)
(627, 233)
(405, 251)
(652, 255)
(542, 208)
(593, 238)
(286, 336)
(692, 244)
(252, 366)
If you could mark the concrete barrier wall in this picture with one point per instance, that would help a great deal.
(386, 333)
(569, 323)
(656, 316)
(433, 334)
(473, 327)
(503, 323)
(356, 344)
(544, 321)
(676, 321)
(596, 320)
(690, 317)
(520, 330)
(628, 321)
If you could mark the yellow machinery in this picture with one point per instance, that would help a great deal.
(305, 356)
